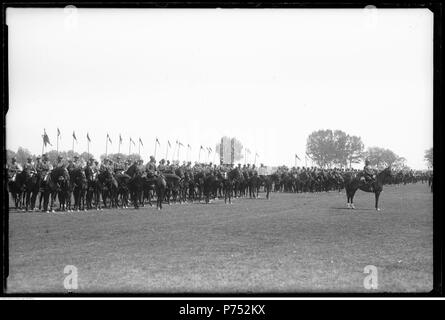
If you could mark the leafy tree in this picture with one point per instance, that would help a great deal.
(327, 148)
(400, 164)
(85, 156)
(22, 154)
(124, 157)
(9, 155)
(320, 146)
(227, 149)
(381, 157)
(341, 140)
(429, 157)
(52, 155)
(66, 155)
(355, 150)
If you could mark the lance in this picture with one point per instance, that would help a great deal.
(106, 146)
(43, 144)
(156, 144)
(199, 155)
(179, 148)
(174, 150)
(166, 152)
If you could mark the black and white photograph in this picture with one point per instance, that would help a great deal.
(219, 151)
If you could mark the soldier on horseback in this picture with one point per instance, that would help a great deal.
(118, 167)
(368, 174)
(76, 163)
(161, 166)
(150, 167)
(29, 167)
(13, 169)
(92, 165)
(44, 168)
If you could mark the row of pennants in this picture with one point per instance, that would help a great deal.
(46, 141)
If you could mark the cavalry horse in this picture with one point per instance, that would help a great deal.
(79, 185)
(16, 185)
(56, 184)
(354, 181)
(254, 184)
(173, 187)
(109, 188)
(33, 181)
(94, 188)
(159, 185)
(228, 181)
(135, 184)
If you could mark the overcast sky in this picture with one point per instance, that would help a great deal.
(266, 77)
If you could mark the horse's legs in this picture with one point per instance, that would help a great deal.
(28, 199)
(377, 195)
(352, 198)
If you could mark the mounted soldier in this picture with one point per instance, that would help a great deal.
(76, 162)
(150, 167)
(368, 174)
(13, 169)
(29, 167)
(92, 165)
(59, 162)
(118, 166)
(44, 168)
(161, 167)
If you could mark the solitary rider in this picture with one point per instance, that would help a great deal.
(368, 173)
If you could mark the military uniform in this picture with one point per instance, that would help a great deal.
(29, 167)
(368, 173)
(77, 164)
(150, 167)
(44, 169)
(161, 167)
(118, 167)
(13, 169)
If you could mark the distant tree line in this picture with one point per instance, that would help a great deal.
(22, 154)
(329, 148)
(429, 157)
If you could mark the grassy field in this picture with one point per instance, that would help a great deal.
(291, 243)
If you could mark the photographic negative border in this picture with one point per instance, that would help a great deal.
(438, 250)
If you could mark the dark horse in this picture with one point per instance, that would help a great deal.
(32, 189)
(354, 181)
(227, 181)
(17, 186)
(80, 186)
(109, 188)
(159, 185)
(57, 184)
(94, 188)
(135, 184)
